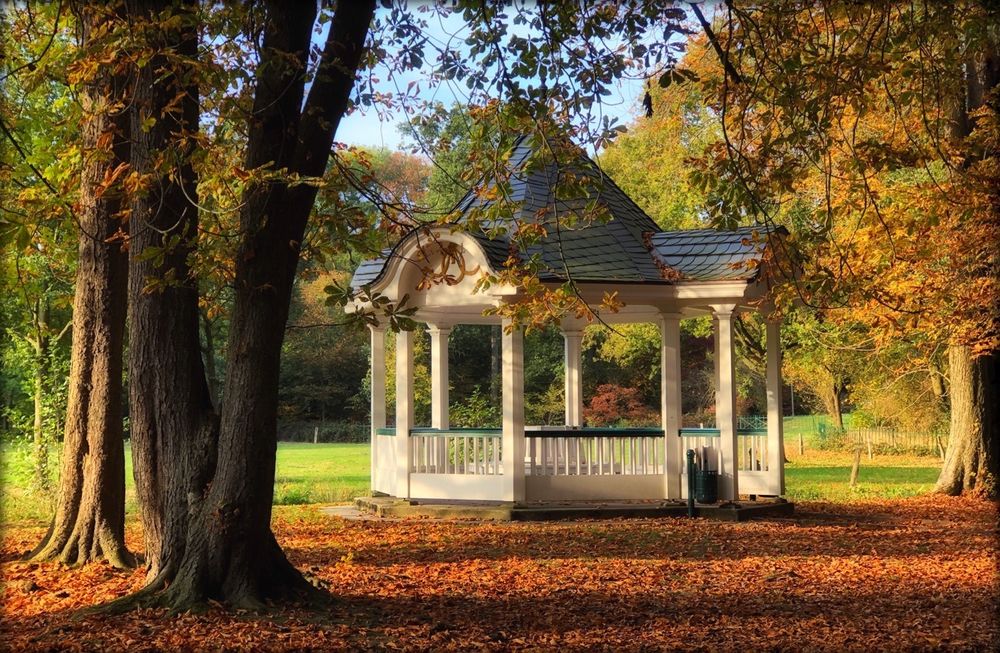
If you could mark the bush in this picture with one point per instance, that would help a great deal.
(475, 412)
(613, 405)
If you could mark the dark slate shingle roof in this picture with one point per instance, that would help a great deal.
(608, 251)
(710, 255)
(627, 248)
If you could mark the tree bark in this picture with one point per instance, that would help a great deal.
(89, 523)
(972, 460)
(173, 422)
(223, 508)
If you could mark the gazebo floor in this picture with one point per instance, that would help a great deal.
(743, 510)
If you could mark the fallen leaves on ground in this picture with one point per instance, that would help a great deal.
(908, 574)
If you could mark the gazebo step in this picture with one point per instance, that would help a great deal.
(391, 507)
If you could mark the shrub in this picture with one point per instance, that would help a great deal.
(613, 405)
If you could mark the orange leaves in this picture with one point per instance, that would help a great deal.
(924, 571)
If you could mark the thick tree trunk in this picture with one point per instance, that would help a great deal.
(89, 523)
(172, 418)
(223, 508)
(972, 461)
(232, 553)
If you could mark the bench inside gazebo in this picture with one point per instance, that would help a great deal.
(660, 277)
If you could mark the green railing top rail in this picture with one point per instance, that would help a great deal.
(715, 433)
(545, 431)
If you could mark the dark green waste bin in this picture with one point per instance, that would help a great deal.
(706, 486)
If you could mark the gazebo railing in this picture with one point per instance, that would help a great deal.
(585, 451)
(588, 451)
(751, 444)
(456, 451)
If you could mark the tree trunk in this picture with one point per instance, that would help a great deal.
(172, 417)
(972, 460)
(836, 409)
(41, 347)
(229, 552)
(89, 523)
(830, 396)
(938, 386)
(208, 329)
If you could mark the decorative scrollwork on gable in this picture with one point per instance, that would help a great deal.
(442, 262)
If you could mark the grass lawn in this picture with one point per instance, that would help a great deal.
(825, 476)
(332, 473)
(306, 473)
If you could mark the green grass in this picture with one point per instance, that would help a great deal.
(320, 473)
(306, 473)
(825, 476)
(333, 473)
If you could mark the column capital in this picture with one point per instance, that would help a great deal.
(439, 327)
(376, 328)
(671, 315)
(572, 333)
(723, 311)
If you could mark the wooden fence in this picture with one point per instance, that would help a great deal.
(877, 437)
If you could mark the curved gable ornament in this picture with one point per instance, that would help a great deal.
(438, 267)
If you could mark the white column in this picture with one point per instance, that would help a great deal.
(378, 400)
(439, 391)
(574, 377)
(404, 411)
(715, 360)
(775, 420)
(670, 402)
(725, 408)
(439, 375)
(513, 413)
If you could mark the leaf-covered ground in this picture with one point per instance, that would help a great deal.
(907, 574)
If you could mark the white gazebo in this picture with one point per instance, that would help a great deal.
(661, 277)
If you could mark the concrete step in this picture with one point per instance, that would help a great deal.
(391, 507)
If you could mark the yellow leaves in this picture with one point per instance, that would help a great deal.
(611, 302)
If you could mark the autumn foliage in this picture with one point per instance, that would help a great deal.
(613, 405)
(908, 574)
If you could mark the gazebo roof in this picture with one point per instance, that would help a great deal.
(627, 248)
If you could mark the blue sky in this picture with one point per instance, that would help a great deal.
(377, 128)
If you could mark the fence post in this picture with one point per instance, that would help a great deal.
(316, 435)
(868, 439)
(802, 444)
(856, 466)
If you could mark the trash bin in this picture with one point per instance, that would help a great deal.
(706, 486)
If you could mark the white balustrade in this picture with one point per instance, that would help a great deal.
(753, 452)
(456, 452)
(594, 455)
(752, 448)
